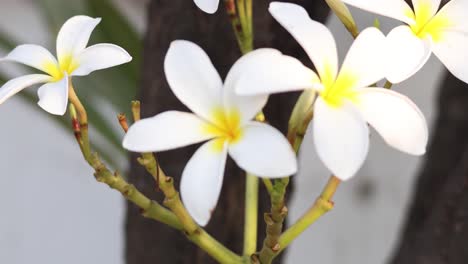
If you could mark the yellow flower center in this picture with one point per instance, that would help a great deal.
(428, 24)
(66, 64)
(343, 88)
(225, 126)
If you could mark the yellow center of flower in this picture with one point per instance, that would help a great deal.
(66, 65)
(428, 24)
(225, 126)
(336, 92)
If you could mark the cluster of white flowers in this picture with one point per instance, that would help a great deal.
(222, 113)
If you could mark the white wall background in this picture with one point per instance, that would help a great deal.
(53, 211)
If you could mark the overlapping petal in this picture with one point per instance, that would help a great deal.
(13, 86)
(193, 78)
(341, 138)
(100, 56)
(397, 119)
(365, 63)
(202, 181)
(74, 36)
(34, 56)
(208, 6)
(315, 38)
(269, 71)
(407, 53)
(168, 130)
(453, 52)
(53, 96)
(453, 16)
(264, 151)
(397, 9)
(248, 106)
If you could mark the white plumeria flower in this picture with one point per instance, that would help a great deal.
(74, 59)
(219, 116)
(346, 101)
(428, 29)
(209, 6)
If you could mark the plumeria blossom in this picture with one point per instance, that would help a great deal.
(427, 30)
(209, 6)
(73, 59)
(221, 118)
(347, 100)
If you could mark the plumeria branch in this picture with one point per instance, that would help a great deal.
(177, 217)
(298, 123)
(172, 200)
(322, 205)
(150, 209)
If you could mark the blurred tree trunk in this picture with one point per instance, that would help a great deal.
(436, 230)
(150, 242)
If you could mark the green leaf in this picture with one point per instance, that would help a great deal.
(116, 29)
(6, 41)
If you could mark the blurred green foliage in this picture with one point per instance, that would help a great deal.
(103, 90)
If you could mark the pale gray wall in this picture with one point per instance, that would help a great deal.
(53, 212)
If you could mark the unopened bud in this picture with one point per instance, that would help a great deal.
(343, 13)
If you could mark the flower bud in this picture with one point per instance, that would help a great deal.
(342, 12)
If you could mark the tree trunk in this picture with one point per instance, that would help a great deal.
(150, 242)
(436, 230)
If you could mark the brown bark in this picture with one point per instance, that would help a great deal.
(436, 231)
(151, 242)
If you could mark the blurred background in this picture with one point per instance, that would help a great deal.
(54, 212)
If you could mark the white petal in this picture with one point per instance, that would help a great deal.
(341, 137)
(100, 56)
(168, 130)
(208, 6)
(74, 35)
(397, 9)
(34, 56)
(273, 72)
(248, 106)
(453, 52)
(193, 78)
(314, 37)
(453, 15)
(365, 63)
(13, 86)
(425, 9)
(202, 180)
(259, 73)
(397, 119)
(264, 151)
(407, 54)
(53, 96)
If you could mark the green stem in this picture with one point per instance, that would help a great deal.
(251, 215)
(274, 221)
(249, 9)
(172, 200)
(268, 185)
(215, 249)
(236, 23)
(150, 209)
(322, 205)
(82, 118)
(388, 85)
(243, 16)
(343, 13)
